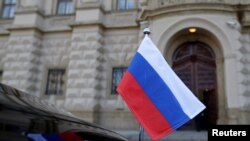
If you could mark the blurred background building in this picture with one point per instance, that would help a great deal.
(74, 52)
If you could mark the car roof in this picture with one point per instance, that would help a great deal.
(12, 99)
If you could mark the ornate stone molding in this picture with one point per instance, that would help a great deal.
(173, 2)
(160, 7)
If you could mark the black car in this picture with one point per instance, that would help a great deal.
(22, 113)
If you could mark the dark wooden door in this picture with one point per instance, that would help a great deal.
(194, 63)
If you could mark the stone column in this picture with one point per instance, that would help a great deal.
(84, 85)
(244, 90)
(21, 68)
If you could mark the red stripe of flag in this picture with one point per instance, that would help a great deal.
(149, 116)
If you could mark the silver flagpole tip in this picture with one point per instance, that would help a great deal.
(146, 31)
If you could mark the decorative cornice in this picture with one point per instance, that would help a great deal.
(63, 29)
(101, 24)
(4, 33)
(91, 23)
(57, 29)
(122, 27)
(190, 7)
(37, 28)
(176, 2)
(25, 27)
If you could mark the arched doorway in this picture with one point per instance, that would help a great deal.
(194, 63)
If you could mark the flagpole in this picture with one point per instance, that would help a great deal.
(141, 133)
(146, 31)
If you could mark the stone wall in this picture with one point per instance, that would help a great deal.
(244, 76)
(22, 61)
(119, 47)
(84, 83)
(3, 48)
(55, 54)
(119, 50)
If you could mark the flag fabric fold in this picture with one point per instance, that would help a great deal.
(155, 94)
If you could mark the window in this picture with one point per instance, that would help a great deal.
(64, 7)
(1, 75)
(117, 74)
(8, 8)
(55, 82)
(125, 4)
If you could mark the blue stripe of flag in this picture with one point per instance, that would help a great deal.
(157, 91)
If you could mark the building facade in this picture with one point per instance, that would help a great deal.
(73, 53)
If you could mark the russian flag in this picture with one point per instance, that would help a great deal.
(155, 94)
(64, 136)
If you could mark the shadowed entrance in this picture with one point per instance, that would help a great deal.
(194, 63)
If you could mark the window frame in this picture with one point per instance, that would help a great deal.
(126, 5)
(113, 85)
(11, 5)
(62, 73)
(65, 9)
